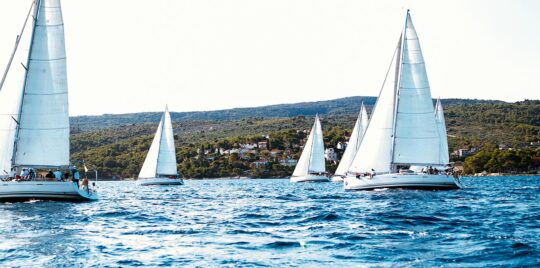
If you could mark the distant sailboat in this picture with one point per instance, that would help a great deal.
(34, 123)
(159, 167)
(312, 167)
(354, 143)
(403, 131)
(443, 140)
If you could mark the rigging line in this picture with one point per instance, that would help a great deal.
(16, 46)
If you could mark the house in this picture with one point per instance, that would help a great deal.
(259, 164)
(465, 152)
(275, 152)
(330, 154)
(288, 162)
(263, 144)
(248, 146)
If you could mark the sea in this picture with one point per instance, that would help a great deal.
(493, 221)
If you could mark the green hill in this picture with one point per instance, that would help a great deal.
(117, 144)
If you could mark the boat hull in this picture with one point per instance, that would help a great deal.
(310, 178)
(337, 179)
(411, 181)
(160, 181)
(44, 190)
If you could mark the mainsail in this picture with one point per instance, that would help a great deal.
(161, 158)
(402, 129)
(312, 158)
(443, 140)
(42, 138)
(354, 142)
(416, 139)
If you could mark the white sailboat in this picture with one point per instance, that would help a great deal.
(34, 119)
(354, 143)
(403, 131)
(311, 166)
(159, 167)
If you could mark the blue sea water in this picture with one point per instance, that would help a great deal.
(494, 221)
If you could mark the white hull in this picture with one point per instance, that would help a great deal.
(394, 180)
(310, 178)
(337, 178)
(44, 190)
(160, 181)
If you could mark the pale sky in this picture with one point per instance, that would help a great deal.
(129, 56)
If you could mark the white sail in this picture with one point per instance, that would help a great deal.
(416, 138)
(161, 158)
(443, 140)
(317, 163)
(10, 97)
(167, 152)
(376, 146)
(354, 142)
(312, 158)
(43, 134)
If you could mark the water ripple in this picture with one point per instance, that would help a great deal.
(273, 223)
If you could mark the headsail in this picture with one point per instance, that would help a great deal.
(416, 140)
(43, 133)
(376, 145)
(161, 158)
(312, 158)
(443, 140)
(10, 96)
(354, 142)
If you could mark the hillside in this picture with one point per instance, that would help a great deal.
(120, 150)
(337, 107)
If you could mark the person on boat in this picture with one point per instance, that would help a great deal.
(31, 174)
(58, 175)
(76, 176)
(49, 176)
(372, 174)
(84, 185)
(25, 174)
(430, 170)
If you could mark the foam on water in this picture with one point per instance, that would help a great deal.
(493, 221)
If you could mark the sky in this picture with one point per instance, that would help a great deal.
(127, 56)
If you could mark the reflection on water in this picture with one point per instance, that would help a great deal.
(494, 221)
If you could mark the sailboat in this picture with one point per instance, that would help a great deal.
(311, 166)
(34, 119)
(403, 130)
(159, 167)
(354, 142)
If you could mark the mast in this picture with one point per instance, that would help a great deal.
(160, 139)
(313, 129)
(396, 88)
(415, 138)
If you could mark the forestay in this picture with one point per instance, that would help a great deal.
(43, 134)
